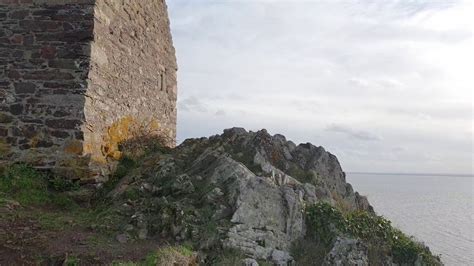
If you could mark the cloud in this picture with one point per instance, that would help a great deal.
(220, 112)
(397, 68)
(192, 104)
(355, 134)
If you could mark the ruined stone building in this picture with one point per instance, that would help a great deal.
(79, 77)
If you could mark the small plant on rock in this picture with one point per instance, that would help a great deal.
(325, 222)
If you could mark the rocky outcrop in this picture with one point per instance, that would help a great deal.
(347, 251)
(240, 190)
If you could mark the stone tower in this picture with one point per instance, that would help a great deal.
(80, 77)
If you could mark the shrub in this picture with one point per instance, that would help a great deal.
(63, 184)
(326, 222)
(368, 227)
(404, 249)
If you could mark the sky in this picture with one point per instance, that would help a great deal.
(386, 86)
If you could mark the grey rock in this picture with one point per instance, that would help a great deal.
(122, 238)
(242, 190)
(281, 258)
(182, 184)
(347, 252)
(142, 233)
(249, 262)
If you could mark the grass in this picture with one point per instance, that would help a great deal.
(228, 257)
(55, 210)
(172, 255)
(31, 187)
(167, 256)
(71, 261)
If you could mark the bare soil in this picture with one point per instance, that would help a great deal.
(28, 238)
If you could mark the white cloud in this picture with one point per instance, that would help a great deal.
(354, 134)
(304, 68)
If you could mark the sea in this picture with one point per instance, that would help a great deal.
(435, 209)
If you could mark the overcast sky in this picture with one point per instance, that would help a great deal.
(387, 86)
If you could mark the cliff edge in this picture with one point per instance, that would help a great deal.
(257, 194)
(239, 198)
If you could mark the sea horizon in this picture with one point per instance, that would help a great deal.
(409, 173)
(437, 209)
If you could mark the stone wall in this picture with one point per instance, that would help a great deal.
(44, 62)
(132, 89)
(79, 77)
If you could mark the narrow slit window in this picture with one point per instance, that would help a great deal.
(163, 82)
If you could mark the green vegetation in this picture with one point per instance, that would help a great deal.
(172, 255)
(63, 184)
(31, 187)
(309, 251)
(228, 257)
(167, 256)
(232, 257)
(71, 261)
(142, 145)
(325, 223)
(134, 152)
(301, 175)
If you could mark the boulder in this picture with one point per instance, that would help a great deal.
(347, 252)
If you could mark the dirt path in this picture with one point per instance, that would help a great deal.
(32, 236)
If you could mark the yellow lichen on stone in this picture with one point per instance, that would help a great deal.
(116, 133)
(34, 141)
(127, 128)
(73, 147)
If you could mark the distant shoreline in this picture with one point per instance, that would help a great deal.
(415, 174)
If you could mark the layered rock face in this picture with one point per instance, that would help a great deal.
(240, 190)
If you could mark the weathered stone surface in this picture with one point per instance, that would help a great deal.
(63, 123)
(28, 57)
(101, 72)
(5, 118)
(25, 87)
(3, 132)
(249, 262)
(347, 252)
(229, 181)
(132, 78)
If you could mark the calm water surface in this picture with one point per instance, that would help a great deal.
(435, 209)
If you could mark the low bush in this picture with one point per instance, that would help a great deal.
(30, 187)
(325, 222)
(24, 184)
(63, 184)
